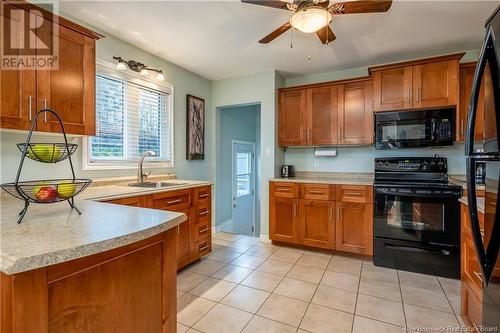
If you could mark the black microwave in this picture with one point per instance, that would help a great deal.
(414, 129)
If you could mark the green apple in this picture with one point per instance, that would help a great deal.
(66, 189)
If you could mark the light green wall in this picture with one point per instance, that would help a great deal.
(184, 82)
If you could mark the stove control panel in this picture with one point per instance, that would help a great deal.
(412, 164)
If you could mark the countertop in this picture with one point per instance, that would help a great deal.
(53, 233)
(480, 203)
(329, 178)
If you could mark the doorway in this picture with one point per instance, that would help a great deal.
(243, 186)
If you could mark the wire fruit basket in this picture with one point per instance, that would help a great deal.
(46, 191)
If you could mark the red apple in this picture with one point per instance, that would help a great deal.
(46, 194)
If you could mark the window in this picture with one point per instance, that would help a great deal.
(132, 116)
(243, 171)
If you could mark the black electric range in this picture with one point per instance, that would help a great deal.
(416, 216)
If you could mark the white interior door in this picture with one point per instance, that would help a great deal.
(243, 187)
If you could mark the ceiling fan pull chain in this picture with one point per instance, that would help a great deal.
(291, 38)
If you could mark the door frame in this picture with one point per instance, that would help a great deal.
(252, 181)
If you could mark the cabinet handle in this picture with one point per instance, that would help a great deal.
(478, 275)
(338, 213)
(409, 95)
(174, 201)
(203, 231)
(462, 127)
(331, 214)
(45, 107)
(205, 212)
(178, 230)
(418, 94)
(308, 134)
(294, 210)
(315, 192)
(204, 195)
(353, 194)
(282, 189)
(30, 100)
(203, 248)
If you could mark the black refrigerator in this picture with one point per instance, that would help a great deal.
(487, 245)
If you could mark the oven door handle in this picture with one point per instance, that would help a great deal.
(416, 249)
(419, 195)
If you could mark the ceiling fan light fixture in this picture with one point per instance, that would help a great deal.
(311, 19)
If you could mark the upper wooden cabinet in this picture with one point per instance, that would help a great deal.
(426, 83)
(69, 90)
(466, 80)
(292, 118)
(355, 115)
(321, 113)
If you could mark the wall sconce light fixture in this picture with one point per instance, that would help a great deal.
(138, 67)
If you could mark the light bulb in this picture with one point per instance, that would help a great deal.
(121, 65)
(144, 72)
(160, 77)
(311, 19)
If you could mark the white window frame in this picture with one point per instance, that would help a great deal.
(109, 69)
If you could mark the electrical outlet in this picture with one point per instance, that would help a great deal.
(316, 162)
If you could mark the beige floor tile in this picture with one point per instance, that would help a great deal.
(223, 318)
(380, 273)
(286, 310)
(247, 240)
(232, 273)
(213, 289)
(340, 280)
(182, 328)
(368, 262)
(206, 266)
(224, 256)
(246, 298)
(261, 252)
(247, 261)
(296, 289)
(239, 247)
(418, 280)
(180, 293)
(286, 256)
(319, 319)
(345, 266)
(380, 309)
(275, 267)
(304, 273)
(335, 298)
(429, 320)
(455, 303)
(380, 289)
(347, 257)
(186, 280)
(191, 308)
(221, 242)
(318, 253)
(226, 236)
(262, 280)
(426, 298)
(365, 325)
(192, 330)
(292, 250)
(260, 325)
(450, 286)
(315, 261)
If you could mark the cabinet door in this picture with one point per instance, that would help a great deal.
(354, 228)
(284, 219)
(17, 87)
(435, 84)
(356, 114)
(466, 79)
(317, 225)
(183, 241)
(70, 90)
(392, 89)
(322, 109)
(292, 118)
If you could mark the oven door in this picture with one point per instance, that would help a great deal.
(421, 214)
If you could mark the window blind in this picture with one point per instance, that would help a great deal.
(130, 119)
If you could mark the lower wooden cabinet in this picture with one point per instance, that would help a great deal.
(284, 219)
(316, 223)
(354, 228)
(194, 236)
(330, 217)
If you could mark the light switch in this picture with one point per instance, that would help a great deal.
(316, 162)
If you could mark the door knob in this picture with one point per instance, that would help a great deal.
(234, 205)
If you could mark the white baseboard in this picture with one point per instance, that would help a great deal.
(265, 238)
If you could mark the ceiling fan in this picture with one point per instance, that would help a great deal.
(316, 15)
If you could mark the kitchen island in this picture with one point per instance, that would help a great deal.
(111, 269)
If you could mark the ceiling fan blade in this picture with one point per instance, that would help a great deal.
(362, 6)
(268, 3)
(275, 33)
(326, 35)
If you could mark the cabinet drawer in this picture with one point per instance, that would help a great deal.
(202, 214)
(202, 248)
(200, 230)
(471, 306)
(172, 200)
(202, 195)
(471, 270)
(355, 193)
(317, 192)
(284, 190)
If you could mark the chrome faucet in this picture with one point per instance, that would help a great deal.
(141, 175)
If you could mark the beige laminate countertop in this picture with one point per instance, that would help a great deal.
(331, 178)
(53, 233)
(480, 203)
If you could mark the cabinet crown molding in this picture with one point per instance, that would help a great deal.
(454, 56)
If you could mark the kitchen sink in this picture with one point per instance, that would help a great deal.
(155, 185)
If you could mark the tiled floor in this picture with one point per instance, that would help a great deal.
(246, 285)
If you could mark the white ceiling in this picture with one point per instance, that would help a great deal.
(218, 39)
